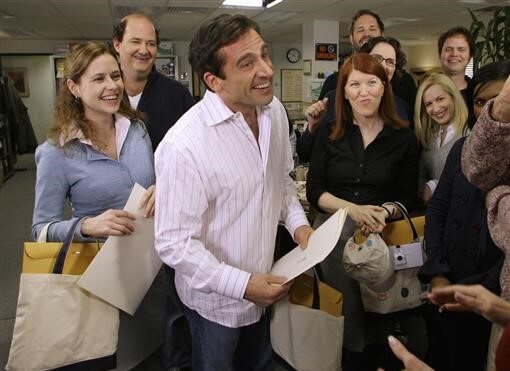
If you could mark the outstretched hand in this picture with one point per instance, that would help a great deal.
(410, 361)
(474, 298)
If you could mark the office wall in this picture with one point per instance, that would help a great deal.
(279, 58)
(41, 101)
(27, 46)
(423, 56)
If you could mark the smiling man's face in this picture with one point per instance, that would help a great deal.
(138, 47)
(455, 55)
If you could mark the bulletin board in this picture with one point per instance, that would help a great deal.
(292, 85)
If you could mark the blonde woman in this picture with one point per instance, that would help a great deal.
(440, 119)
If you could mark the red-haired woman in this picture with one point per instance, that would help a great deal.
(363, 157)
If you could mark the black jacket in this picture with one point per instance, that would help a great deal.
(458, 243)
(163, 101)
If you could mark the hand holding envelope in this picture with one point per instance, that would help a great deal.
(320, 245)
(125, 267)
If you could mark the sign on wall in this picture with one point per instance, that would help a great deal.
(292, 85)
(325, 52)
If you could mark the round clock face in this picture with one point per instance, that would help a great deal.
(293, 55)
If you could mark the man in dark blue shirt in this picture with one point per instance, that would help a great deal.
(163, 101)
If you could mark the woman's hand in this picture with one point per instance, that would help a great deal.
(474, 298)
(371, 219)
(315, 113)
(427, 194)
(148, 201)
(110, 223)
(501, 106)
(439, 281)
(410, 361)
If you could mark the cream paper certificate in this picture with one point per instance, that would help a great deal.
(123, 270)
(320, 245)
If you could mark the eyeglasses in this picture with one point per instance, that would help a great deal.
(390, 62)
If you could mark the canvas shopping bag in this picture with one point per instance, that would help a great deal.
(305, 335)
(58, 324)
(400, 244)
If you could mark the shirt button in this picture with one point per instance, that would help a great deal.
(357, 180)
(356, 194)
(360, 165)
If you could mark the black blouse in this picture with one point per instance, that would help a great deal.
(387, 170)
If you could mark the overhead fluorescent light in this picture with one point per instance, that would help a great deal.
(270, 3)
(244, 3)
(252, 3)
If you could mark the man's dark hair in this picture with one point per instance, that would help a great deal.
(221, 31)
(363, 12)
(455, 31)
(120, 28)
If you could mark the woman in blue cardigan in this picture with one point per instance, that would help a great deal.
(97, 149)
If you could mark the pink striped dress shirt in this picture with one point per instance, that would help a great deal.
(219, 198)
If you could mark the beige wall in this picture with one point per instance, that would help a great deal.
(41, 101)
(424, 55)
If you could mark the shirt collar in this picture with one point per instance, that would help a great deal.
(122, 124)
(216, 111)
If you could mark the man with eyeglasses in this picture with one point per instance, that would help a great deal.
(163, 100)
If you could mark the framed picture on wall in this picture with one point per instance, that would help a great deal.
(20, 78)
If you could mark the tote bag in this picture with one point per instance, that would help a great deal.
(58, 324)
(399, 291)
(305, 335)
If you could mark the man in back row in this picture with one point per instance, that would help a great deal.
(455, 48)
(365, 25)
(163, 101)
(228, 160)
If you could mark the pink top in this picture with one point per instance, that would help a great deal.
(486, 164)
(219, 197)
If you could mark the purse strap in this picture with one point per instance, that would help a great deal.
(316, 300)
(64, 249)
(43, 235)
(404, 212)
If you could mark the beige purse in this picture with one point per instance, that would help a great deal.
(387, 274)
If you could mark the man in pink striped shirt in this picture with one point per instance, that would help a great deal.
(223, 186)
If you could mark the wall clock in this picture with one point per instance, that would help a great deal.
(293, 55)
